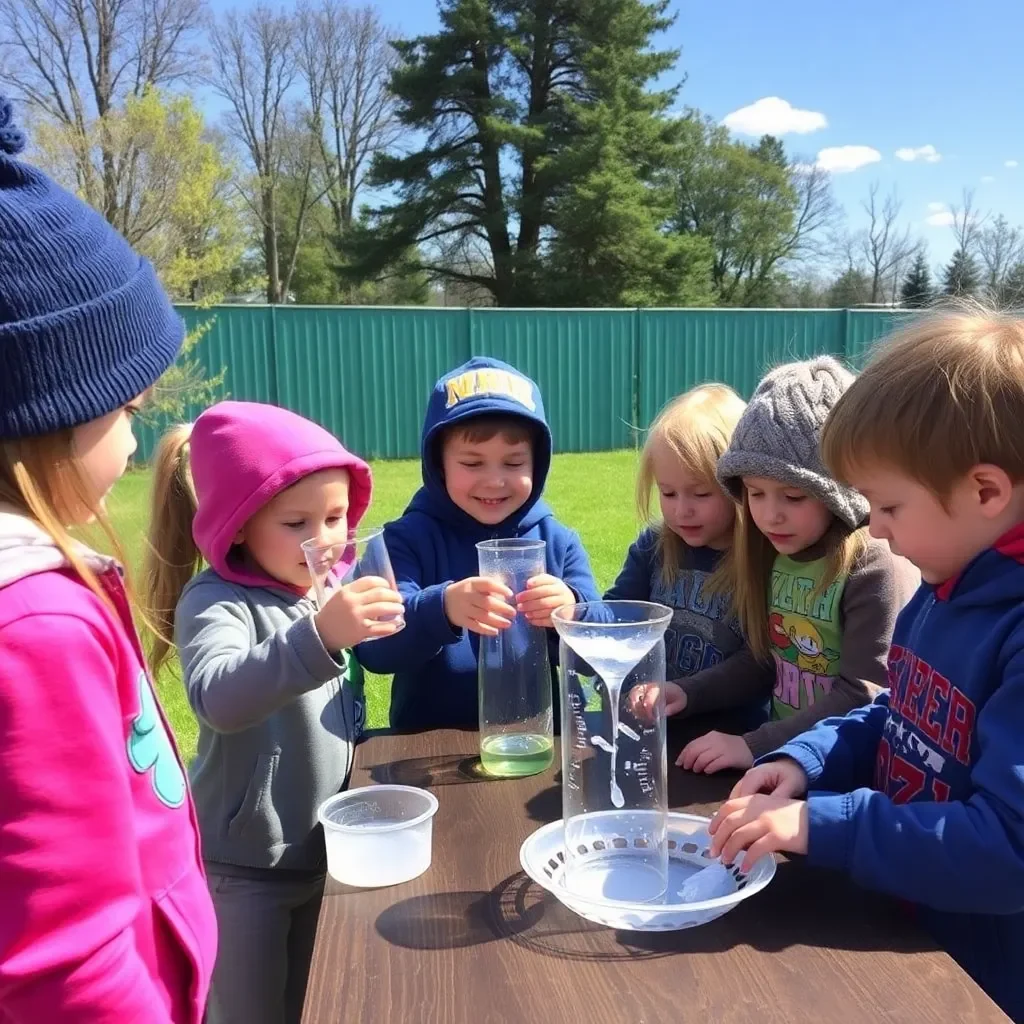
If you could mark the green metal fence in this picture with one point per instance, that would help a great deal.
(365, 372)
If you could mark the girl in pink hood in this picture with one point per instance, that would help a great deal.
(104, 911)
(274, 686)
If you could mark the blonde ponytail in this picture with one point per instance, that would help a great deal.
(173, 558)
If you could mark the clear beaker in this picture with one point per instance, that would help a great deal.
(514, 671)
(362, 553)
(614, 770)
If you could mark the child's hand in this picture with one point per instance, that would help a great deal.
(758, 824)
(643, 700)
(351, 613)
(480, 605)
(543, 594)
(782, 778)
(714, 752)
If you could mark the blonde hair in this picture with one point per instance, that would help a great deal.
(747, 569)
(41, 478)
(945, 393)
(696, 427)
(173, 558)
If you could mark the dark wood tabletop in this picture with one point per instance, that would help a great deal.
(475, 940)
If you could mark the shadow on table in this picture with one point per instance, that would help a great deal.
(802, 906)
(440, 770)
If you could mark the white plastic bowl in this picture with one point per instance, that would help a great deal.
(378, 835)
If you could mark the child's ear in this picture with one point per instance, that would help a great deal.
(991, 488)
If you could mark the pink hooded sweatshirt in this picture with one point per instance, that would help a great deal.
(105, 914)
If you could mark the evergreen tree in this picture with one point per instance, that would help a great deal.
(543, 143)
(961, 277)
(916, 291)
(850, 289)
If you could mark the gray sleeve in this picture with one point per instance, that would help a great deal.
(878, 587)
(232, 682)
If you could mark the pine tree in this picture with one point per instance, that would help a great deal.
(916, 291)
(961, 277)
(542, 140)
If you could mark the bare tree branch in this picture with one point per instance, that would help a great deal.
(256, 69)
(77, 61)
(884, 247)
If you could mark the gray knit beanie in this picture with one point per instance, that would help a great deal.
(779, 433)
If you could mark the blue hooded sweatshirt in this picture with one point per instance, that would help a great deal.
(434, 544)
(930, 776)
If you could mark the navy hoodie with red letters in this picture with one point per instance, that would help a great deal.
(921, 794)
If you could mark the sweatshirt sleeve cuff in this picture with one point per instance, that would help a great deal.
(804, 755)
(318, 662)
(830, 830)
(434, 617)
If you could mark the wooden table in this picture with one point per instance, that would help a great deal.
(475, 940)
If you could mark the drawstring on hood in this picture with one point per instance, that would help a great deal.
(245, 453)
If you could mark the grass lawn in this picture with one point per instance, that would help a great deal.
(591, 493)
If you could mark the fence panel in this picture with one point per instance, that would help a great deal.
(582, 359)
(365, 372)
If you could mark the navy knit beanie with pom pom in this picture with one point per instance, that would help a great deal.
(85, 326)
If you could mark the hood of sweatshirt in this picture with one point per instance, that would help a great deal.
(482, 387)
(245, 453)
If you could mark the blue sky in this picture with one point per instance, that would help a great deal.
(889, 75)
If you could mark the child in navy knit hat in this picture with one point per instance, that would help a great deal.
(106, 913)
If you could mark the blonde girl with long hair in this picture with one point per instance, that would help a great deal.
(106, 914)
(817, 597)
(678, 559)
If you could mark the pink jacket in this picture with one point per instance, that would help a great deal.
(104, 911)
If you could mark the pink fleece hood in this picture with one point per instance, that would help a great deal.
(242, 455)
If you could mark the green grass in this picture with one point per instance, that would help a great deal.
(591, 493)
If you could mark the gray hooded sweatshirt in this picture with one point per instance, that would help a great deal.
(278, 719)
(278, 714)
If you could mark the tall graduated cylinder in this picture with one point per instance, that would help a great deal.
(614, 771)
(514, 674)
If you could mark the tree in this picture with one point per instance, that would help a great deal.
(883, 246)
(347, 60)
(1001, 249)
(1012, 290)
(79, 62)
(967, 223)
(185, 384)
(255, 69)
(961, 277)
(851, 288)
(610, 246)
(177, 206)
(498, 95)
(916, 290)
(758, 210)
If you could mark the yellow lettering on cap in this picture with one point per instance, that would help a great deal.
(489, 382)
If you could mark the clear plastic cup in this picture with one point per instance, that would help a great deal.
(514, 671)
(363, 553)
(378, 835)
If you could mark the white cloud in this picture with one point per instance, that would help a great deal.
(928, 154)
(843, 159)
(773, 116)
(937, 207)
(1011, 164)
(987, 179)
(940, 220)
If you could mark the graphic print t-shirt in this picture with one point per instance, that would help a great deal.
(806, 634)
(702, 632)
